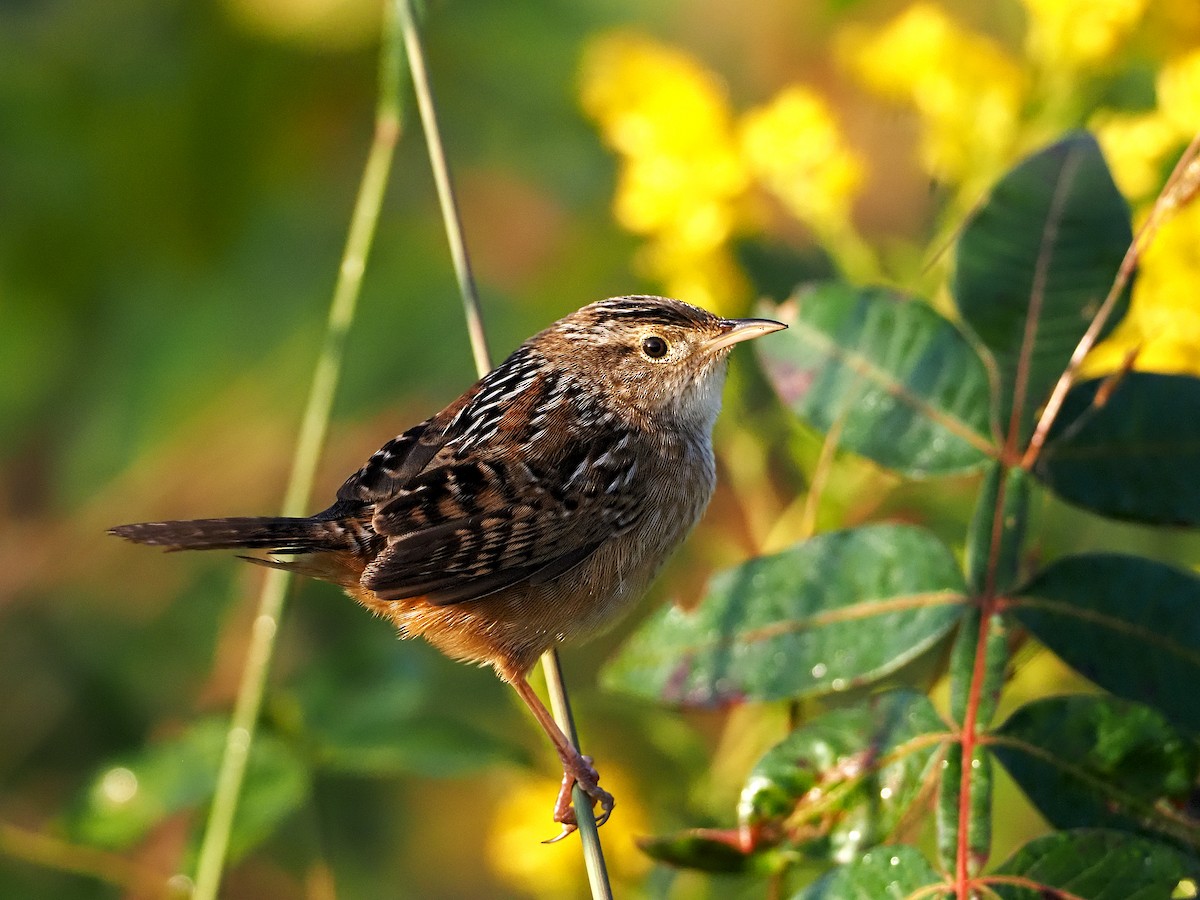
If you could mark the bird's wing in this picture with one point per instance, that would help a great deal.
(468, 529)
(472, 421)
(392, 465)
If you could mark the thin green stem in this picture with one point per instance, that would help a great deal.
(445, 188)
(248, 705)
(589, 834)
(592, 851)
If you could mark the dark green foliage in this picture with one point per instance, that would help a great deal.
(885, 873)
(856, 604)
(892, 380)
(1101, 762)
(135, 794)
(834, 786)
(900, 382)
(845, 780)
(1129, 624)
(1101, 865)
(1034, 264)
(1133, 455)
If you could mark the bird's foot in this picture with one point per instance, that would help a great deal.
(579, 772)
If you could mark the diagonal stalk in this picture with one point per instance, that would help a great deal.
(556, 687)
(1180, 189)
(248, 705)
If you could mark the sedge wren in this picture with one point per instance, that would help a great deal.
(535, 508)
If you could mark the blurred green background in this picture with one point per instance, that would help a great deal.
(175, 186)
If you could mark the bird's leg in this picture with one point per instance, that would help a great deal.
(577, 769)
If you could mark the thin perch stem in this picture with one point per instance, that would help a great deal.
(592, 850)
(445, 189)
(248, 705)
(589, 834)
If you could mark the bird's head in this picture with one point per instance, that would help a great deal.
(657, 358)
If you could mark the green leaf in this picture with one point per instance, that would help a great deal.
(277, 783)
(885, 873)
(1133, 457)
(774, 269)
(994, 560)
(963, 658)
(844, 781)
(901, 382)
(1092, 864)
(1131, 625)
(979, 815)
(1034, 264)
(971, 639)
(131, 796)
(1095, 761)
(835, 612)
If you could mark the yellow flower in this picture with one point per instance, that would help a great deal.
(1137, 147)
(1178, 89)
(1163, 323)
(966, 90)
(682, 183)
(711, 279)
(1077, 33)
(516, 853)
(668, 119)
(795, 149)
(687, 196)
(651, 99)
(687, 172)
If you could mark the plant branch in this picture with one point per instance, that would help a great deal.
(593, 852)
(968, 736)
(1180, 189)
(1037, 302)
(44, 850)
(248, 705)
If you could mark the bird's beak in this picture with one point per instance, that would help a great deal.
(734, 331)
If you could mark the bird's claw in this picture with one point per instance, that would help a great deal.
(567, 829)
(584, 774)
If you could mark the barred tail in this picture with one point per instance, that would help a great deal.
(279, 535)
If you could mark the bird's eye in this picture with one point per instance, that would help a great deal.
(654, 346)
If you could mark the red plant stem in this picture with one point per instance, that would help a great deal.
(968, 738)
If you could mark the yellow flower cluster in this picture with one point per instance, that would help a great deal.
(967, 92)
(681, 182)
(1137, 147)
(1178, 88)
(796, 151)
(517, 854)
(1141, 146)
(1163, 325)
(970, 98)
(689, 169)
(693, 172)
(1076, 33)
